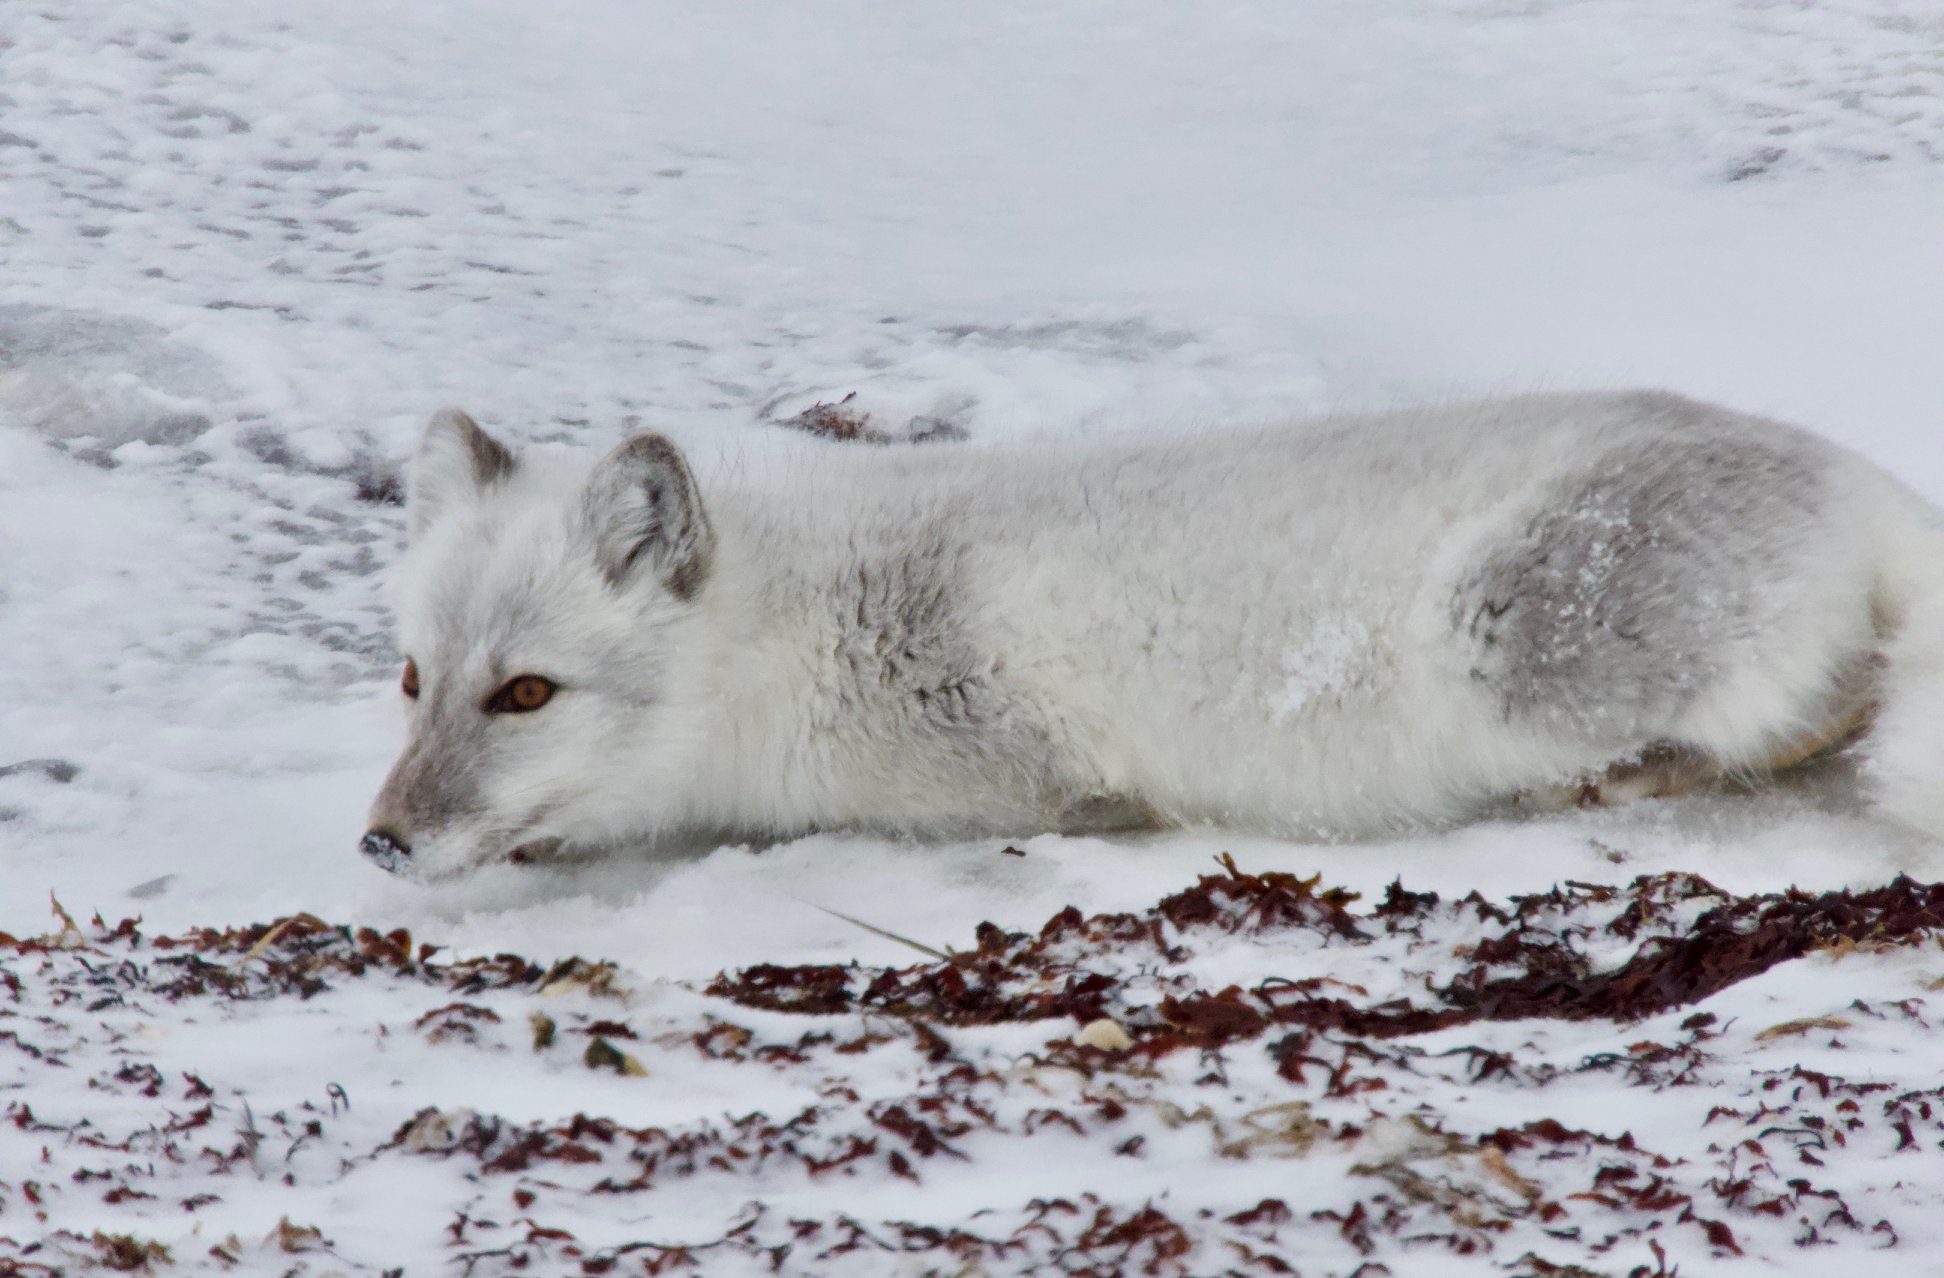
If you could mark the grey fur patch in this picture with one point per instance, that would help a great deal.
(916, 670)
(1619, 601)
(908, 638)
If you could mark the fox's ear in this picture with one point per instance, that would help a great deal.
(455, 460)
(645, 513)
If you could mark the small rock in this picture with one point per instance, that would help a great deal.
(1105, 1033)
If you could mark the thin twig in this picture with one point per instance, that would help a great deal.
(920, 946)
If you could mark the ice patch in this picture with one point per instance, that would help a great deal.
(74, 375)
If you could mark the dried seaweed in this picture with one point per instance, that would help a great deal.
(1538, 966)
(1563, 1200)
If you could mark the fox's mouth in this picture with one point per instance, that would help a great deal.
(534, 850)
(394, 857)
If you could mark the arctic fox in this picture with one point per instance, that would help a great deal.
(1339, 629)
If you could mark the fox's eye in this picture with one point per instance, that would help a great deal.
(522, 695)
(409, 683)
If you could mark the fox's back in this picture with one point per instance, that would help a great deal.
(1270, 619)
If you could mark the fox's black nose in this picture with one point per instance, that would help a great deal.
(384, 851)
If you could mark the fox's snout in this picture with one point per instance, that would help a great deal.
(418, 798)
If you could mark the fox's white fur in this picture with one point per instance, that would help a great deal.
(1333, 629)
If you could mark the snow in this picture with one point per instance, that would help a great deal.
(1323, 664)
(250, 248)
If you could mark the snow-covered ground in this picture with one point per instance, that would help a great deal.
(248, 248)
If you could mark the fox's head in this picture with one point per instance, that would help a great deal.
(545, 623)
